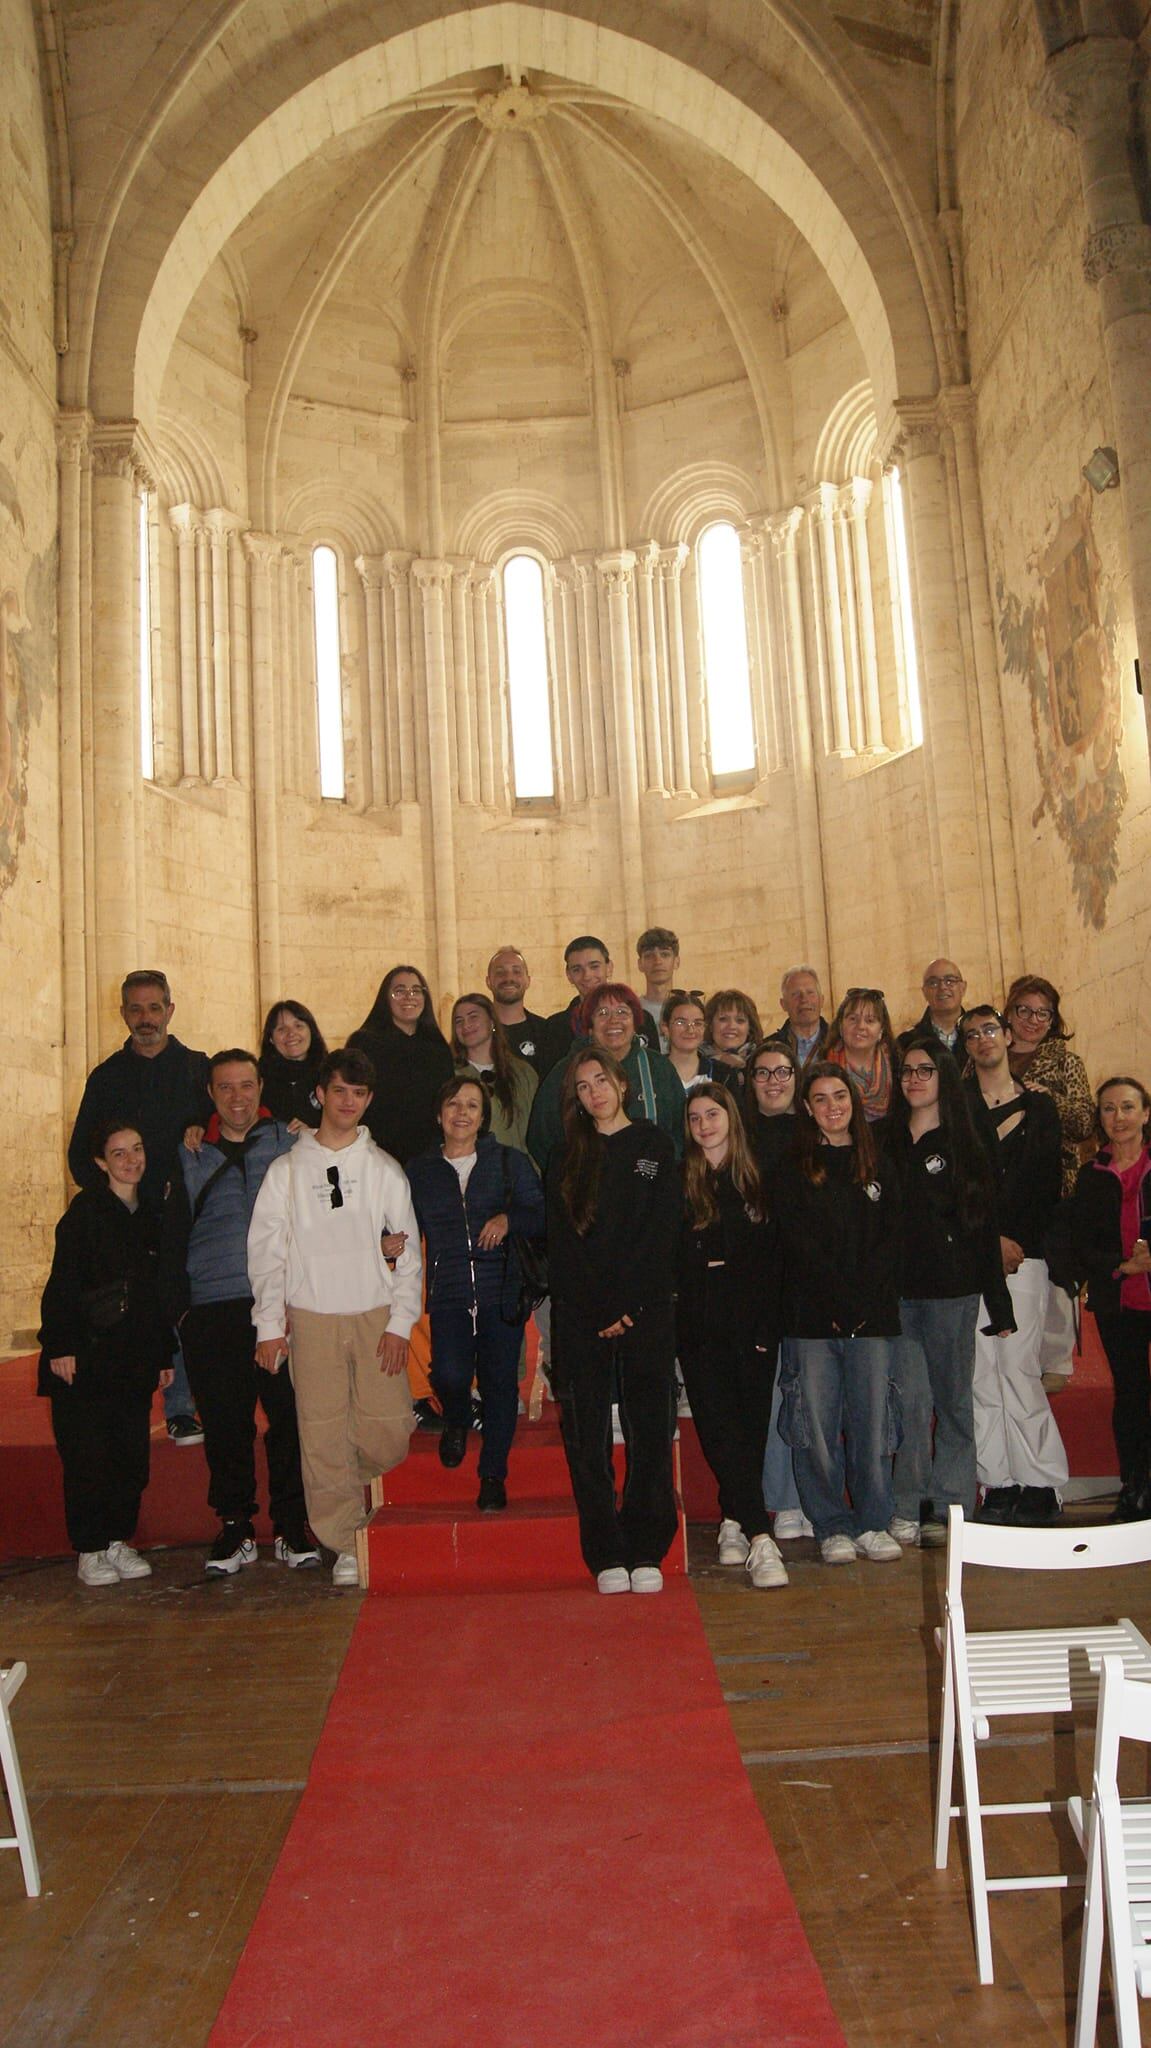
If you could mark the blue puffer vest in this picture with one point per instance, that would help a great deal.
(457, 1270)
(218, 1245)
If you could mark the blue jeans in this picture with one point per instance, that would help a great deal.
(839, 1417)
(779, 1488)
(178, 1397)
(934, 1369)
(490, 1354)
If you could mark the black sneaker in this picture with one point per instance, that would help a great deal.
(185, 1429)
(492, 1496)
(998, 1504)
(1037, 1508)
(234, 1547)
(453, 1446)
(297, 1549)
(427, 1417)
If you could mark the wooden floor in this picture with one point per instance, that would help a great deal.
(166, 1729)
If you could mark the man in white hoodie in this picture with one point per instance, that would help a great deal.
(319, 1275)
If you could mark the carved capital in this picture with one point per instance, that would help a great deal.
(121, 449)
(263, 551)
(514, 106)
(783, 529)
(186, 521)
(73, 431)
(855, 498)
(1125, 246)
(820, 504)
(431, 576)
(912, 431)
(671, 561)
(615, 571)
(1086, 86)
(751, 543)
(371, 571)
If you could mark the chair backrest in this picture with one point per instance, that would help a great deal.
(1041, 1550)
(1124, 1716)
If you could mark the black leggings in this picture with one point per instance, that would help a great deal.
(1126, 1337)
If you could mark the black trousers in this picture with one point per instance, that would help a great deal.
(729, 1386)
(1126, 1338)
(219, 1342)
(641, 1527)
(102, 1435)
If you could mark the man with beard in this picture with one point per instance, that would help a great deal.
(509, 981)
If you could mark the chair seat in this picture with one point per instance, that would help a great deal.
(1049, 1671)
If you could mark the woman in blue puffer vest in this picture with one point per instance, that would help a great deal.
(471, 1196)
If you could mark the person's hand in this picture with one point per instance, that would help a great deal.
(64, 1369)
(617, 1328)
(270, 1353)
(494, 1232)
(392, 1243)
(1012, 1253)
(167, 1375)
(193, 1137)
(296, 1126)
(392, 1353)
(1140, 1260)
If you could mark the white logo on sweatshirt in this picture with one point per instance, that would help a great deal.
(647, 1167)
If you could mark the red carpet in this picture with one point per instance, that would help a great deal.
(527, 1826)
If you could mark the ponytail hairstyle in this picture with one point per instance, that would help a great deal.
(974, 1185)
(699, 1179)
(809, 1149)
(503, 1079)
(583, 1153)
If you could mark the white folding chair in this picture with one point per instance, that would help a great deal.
(1117, 1837)
(1018, 1672)
(10, 1683)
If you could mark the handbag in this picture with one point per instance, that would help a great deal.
(105, 1306)
(531, 1254)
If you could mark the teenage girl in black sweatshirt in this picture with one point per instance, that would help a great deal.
(613, 1204)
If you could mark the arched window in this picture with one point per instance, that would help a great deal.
(727, 672)
(902, 616)
(147, 724)
(329, 682)
(525, 629)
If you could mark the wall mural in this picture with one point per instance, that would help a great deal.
(1062, 638)
(27, 668)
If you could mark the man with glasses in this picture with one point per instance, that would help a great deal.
(1020, 1459)
(335, 1270)
(944, 989)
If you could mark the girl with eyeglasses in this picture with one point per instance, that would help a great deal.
(411, 1060)
(862, 1042)
(1041, 1056)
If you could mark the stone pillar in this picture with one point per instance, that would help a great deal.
(751, 543)
(671, 562)
(855, 503)
(1087, 87)
(658, 778)
(218, 524)
(263, 552)
(205, 682)
(77, 909)
(461, 568)
(821, 507)
(183, 521)
(568, 679)
(117, 473)
(783, 531)
(433, 580)
(241, 705)
(490, 772)
(397, 568)
(591, 695)
(370, 570)
(616, 572)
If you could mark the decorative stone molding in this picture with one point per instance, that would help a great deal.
(615, 571)
(1125, 246)
(782, 529)
(73, 432)
(431, 575)
(1086, 85)
(911, 431)
(514, 106)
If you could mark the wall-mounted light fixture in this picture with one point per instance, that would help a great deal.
(1102, 472)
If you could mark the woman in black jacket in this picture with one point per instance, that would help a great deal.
(470, 1196)
(837, 1205)
(767, 1099)
(105, 1347)
(411, 1059)
(613, 1209)
(292, 1051)
(727, 1322)
(1100, 1235)
(949, 1256)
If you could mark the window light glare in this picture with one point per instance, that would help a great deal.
(532, 772)
(329, 688)
(726, 666)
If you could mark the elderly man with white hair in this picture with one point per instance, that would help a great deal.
(806, 1027)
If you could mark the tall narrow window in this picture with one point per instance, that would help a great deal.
(329, 684)
(147, 726)
(901, 606)
(726, 669)
(533, 774)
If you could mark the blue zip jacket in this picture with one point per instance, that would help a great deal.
(457, 1270)
(205, 1257)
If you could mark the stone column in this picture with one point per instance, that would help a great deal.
(671, 562)
(397, 568)
(77, 909)
(241, 705)
(855, 504)
(783, 531)
(821, 507)
(116, 475)
(591, 695)
(433, 580)
(616, 572)
(370, 570)
(658, 778)
(751, 542)
(263, 551)
(218, 524)
(461, 568)
(490, 772)
(184, 521)
(568, 678)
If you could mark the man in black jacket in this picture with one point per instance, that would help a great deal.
(160, 1087)
(944, 989)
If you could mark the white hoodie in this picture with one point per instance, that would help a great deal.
(303, 1253)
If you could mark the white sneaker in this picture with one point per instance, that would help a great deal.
(905, 1531)
(616, 1579)
(733, 1544)
(790, 1525)
(647, 1578)
(128, 1563)
(765, 1566)
(296, 1555)
(877, 1546)
(96, 1569)
(345, 1571)
(837, 1550)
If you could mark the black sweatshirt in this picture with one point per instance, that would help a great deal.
(99, 1241)
(1028, 1164)
(410, 1071)
(288, 1088)
(626, 1262)
(939, 1259)
(727, 1277)
(839, 1248)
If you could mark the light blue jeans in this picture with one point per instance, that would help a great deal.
(780, 1491)
(840, 1416)
(934, 1370)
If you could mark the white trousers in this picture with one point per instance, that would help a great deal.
(1057, 1340)
(1017, 1440)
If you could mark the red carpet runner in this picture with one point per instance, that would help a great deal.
(527, 1826)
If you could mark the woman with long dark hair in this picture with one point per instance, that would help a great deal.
(727, 1322)
(411, 1059)
(837, 1205)
(1041, 1057)
(480, 1047)
(949, 1256)
(683, 1024)
(292, 1051)
(613, 1206)
(862, 1042)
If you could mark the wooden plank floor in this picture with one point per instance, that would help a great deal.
(166, 1731)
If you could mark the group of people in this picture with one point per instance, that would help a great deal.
(861, 1250)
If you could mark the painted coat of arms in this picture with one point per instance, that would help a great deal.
(1063, 643)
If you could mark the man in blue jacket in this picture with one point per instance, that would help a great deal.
(206, 1291)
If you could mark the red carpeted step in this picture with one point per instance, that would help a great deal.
(537, 1466)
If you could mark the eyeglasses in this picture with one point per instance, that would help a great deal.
(1033, 1016)
(923, 1073)
(679, 1023)
(398, 991)
(867, 995)
(943, 981)
(780, 1073)
(981, 1031)
(620, 1010)
(337, 1191)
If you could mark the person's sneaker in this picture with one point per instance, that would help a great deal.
(998, 1504)
(790, 1525)
(905, 1531)
(297, 1550)
(933, 1532)
(878, 1547)
(128, 1563)
(837, 1550)
(427, 1416)
(453, 1445)
(345, 1571)
(1038, 1507)
(647, 1578)
(96, 1569)
(234, 1547)
(765, 1566)
(615, 1579)
(185, 1429)
(733, 1544)
(492, 1496)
